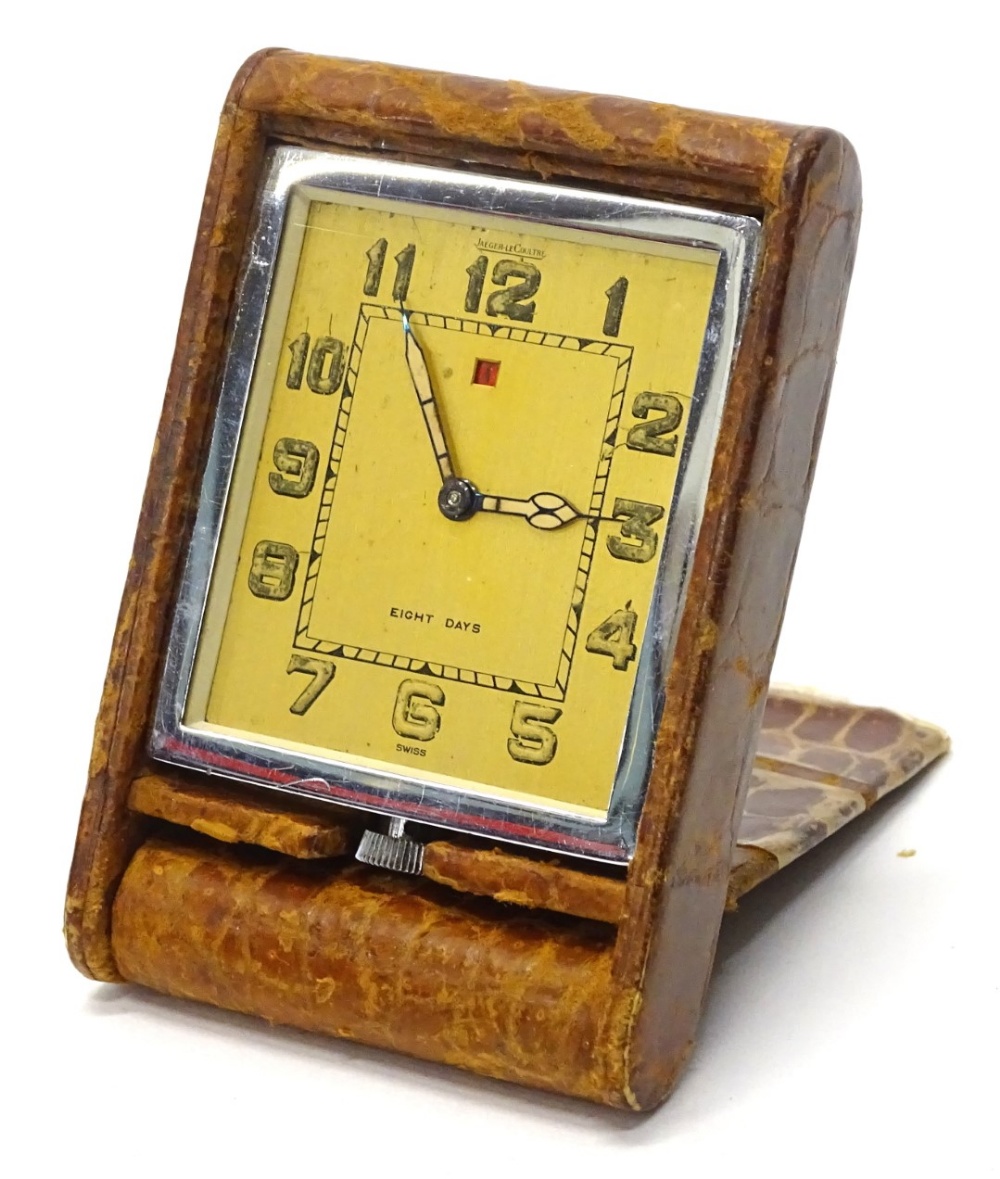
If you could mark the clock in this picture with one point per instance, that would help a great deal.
(438, 685)
(445, 526)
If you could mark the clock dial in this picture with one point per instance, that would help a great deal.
(451, 490)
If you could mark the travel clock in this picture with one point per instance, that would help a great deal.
(438, 685)
(460, 456)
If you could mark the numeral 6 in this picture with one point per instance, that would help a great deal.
(415, 713)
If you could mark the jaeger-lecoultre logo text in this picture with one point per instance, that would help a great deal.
(499, 247)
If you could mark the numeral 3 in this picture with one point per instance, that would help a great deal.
(636, 517)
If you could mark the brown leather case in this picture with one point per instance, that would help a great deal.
(557, 974)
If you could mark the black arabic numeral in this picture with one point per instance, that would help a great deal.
(272, 570)
(376, 260)
(532, 738)
(636, 518)
(616, 305)
(376, 263)
(297, 462)
(614, 638)
(322, 671)
(404, 271)
(649, 435)
(477, 276)
(510, 302)
(327, 356)
(325, 370)
(415, 713)
(299, 348)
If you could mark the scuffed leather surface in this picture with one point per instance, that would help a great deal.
(234, 817)
(388, 960)
(507, 876)
(109, 832)
(475, 118)
(761, 477)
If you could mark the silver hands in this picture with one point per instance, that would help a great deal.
(421, 379)
(458, 498)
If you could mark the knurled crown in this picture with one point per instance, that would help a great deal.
(398, 853)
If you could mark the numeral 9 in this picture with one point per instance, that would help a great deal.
(297, 462)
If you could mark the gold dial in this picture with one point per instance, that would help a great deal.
(444, 527)
(547, 371)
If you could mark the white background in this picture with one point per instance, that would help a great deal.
(852, 1021)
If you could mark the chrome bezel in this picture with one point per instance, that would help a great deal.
(290, 170)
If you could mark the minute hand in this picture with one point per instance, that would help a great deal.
(421, 379)
(544, 509)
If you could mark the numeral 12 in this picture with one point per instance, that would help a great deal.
(511, 301)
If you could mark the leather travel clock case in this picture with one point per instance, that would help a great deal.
(546, 970)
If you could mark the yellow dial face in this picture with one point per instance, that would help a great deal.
(450, 497)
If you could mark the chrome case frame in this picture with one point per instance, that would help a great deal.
(290, 170)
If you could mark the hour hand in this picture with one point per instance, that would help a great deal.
(459, 499)
(421, 378)
(544, 509)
